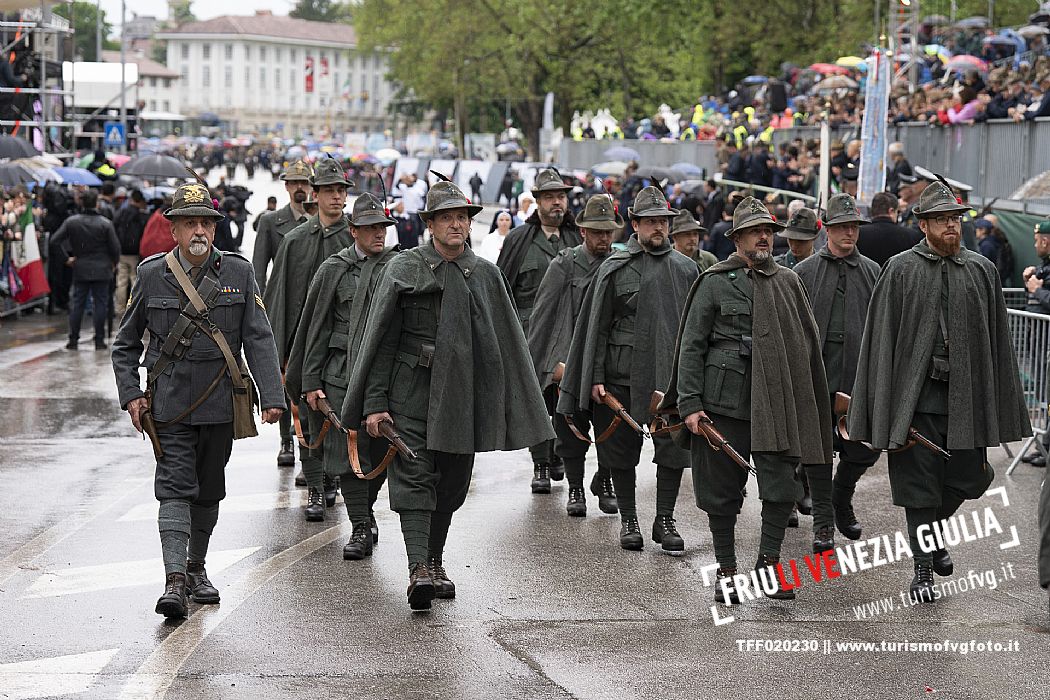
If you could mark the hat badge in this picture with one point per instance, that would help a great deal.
(757, 207)
(194, 194)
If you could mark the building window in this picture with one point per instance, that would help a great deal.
(309, 102)
(262, 77)
(278, 54)
(184, 73)
(205, 76)
(167, 105)
(293, 55)
(247, 76)
(206, 51)
(228, 77)
(276, 78)
(185, 48)
(338, 58)
(247, 52)
(291, 102)
(153, 105)
(262, 53)
(229, 52)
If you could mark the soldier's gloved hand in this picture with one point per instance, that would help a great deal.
(597, 392)
(271, 415)
(135, 409)
(372, 422)
(692, 421)
(312, 396)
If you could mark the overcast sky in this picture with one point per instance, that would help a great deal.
(204, 9)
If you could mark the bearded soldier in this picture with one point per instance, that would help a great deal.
(554, 315)
(839, 280)
(301, 253)
(326, 342)
(442, 361)
(526, 253)
(193, 370)
(745, 317)
(273, 226)
(936, 358)
(622, 347)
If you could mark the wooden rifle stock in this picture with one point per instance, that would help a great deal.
(386, 429)
(717, 441)
(613, 403)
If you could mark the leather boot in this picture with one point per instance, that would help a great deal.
(331, 490)
(793, 518)
(921, 588)
(300, 478)
(286, 457)
(443, 586)
(727, 573)
(766, 561)
(315, 506)
(541, 477)
(557, 469)
(374, 526)
(420, 588)
(942, 563)
(631, 535)
(666, 534)
(173, 603)
(577, 505)
(823, 540)
(845, 518)
(197, 584)
(360, 544)
(602, 487)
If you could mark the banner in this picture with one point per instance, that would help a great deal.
(873, 128)
(309, 73)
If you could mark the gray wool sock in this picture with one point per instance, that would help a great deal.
(173, 521)
(202, 523)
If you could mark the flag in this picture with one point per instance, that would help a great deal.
(29, 265)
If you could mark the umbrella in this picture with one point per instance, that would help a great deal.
(973, 23)
(755, 80)
(388, 155)
(1032, 31)
(155, 166)
(660, 174)
(621, 153)
(612, 167)
(41, 172)
(158, 192)
(836, 82)
(14, 147)
(12, 174)
(941, 52)
(78, 176)
(828, 69)
(998, 40)
(689, 169)
(965, 62)
(115, 159)
(849, 61)
(935, 20)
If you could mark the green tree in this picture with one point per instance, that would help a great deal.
(82, 17)
(321, 10)
(181, 13)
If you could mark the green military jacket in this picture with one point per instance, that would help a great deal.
(301, 253)
(273, 227)
(704, 259)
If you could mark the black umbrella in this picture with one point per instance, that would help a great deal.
(973, 23)
(12, 174)
(14, 147)
(155, 166)
(660, 174)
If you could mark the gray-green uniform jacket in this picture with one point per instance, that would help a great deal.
(301, 253)
(442, 344)
(273, 226)
(155, 304)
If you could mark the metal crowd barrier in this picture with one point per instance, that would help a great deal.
(1016, 297)
(1030, 335)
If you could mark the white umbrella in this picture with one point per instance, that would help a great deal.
(387, 155)
(1033, 30)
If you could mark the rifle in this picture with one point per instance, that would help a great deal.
(386, 429)
(842, 402)
(621, 413)
(714, 438)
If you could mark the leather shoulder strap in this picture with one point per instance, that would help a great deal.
(202, 309)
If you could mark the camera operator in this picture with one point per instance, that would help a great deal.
(1037, 282)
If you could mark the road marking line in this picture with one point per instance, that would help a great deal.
(34, 548)
(231, 504)
(123, 574)
(158, 671)
(58, 675)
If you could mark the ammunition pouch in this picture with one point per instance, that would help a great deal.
(940, 368)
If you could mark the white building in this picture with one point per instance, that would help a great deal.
(157, 89)
(268, 73)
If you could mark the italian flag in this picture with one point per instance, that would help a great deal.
(30, 266)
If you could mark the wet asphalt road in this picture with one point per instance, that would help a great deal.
(547, 606)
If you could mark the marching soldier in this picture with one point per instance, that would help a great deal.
(554, 315)
(526, 253)
(272, 228)
(685, 236)
(962, 395)
(744, 316)
(839, 281)
(622, 351)
(301, 253)
(443, 362)
(800, 233)
(326, 342)
(196, 400)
